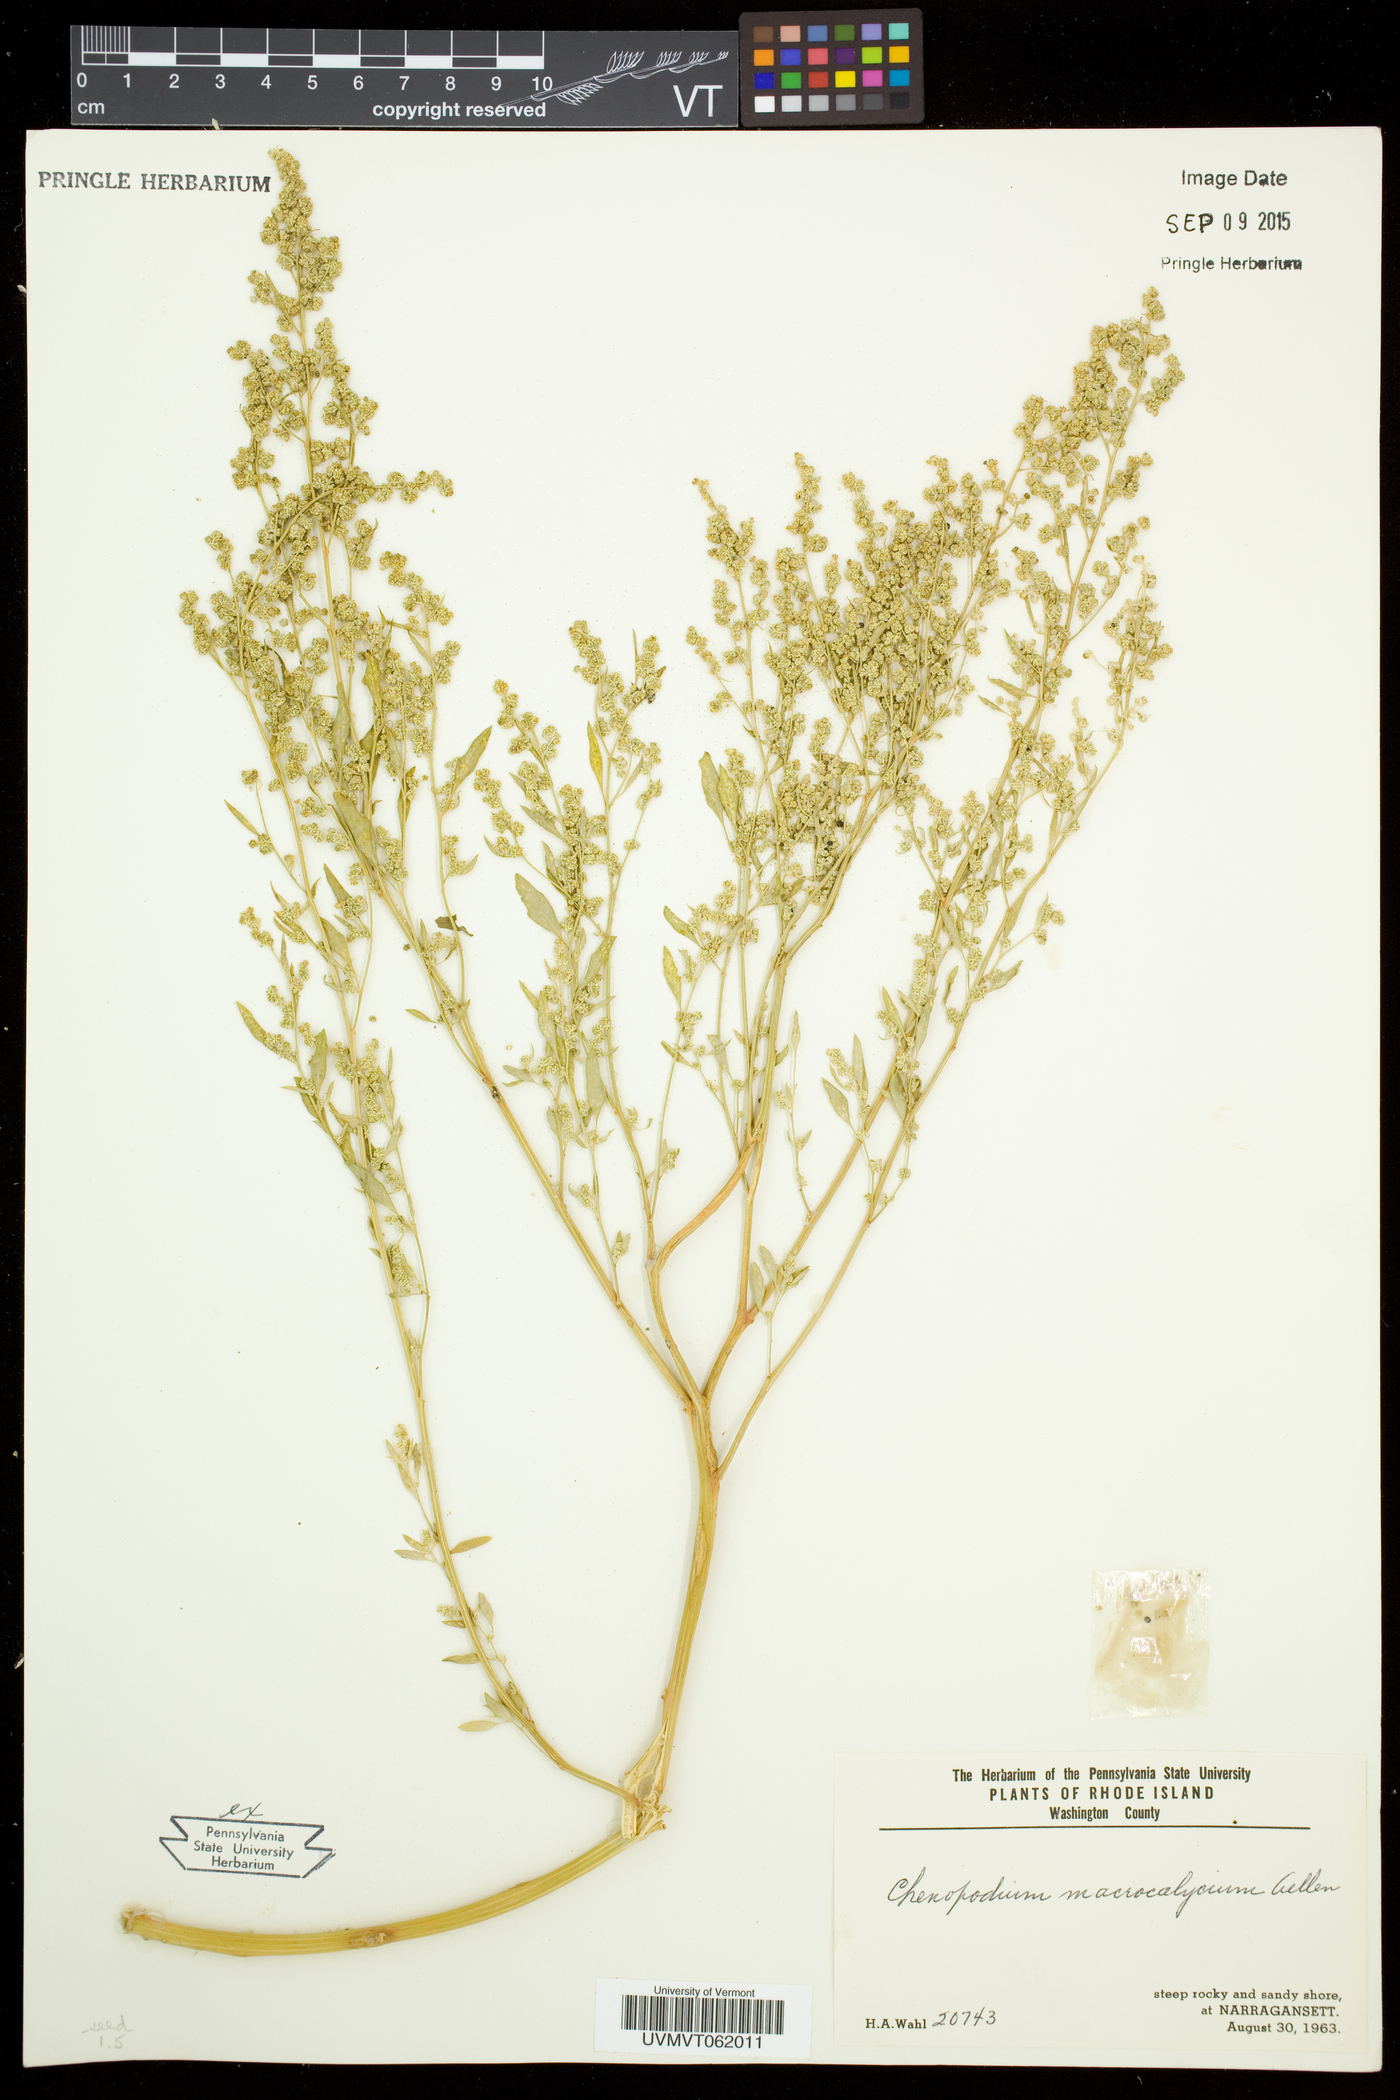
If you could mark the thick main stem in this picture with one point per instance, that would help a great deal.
(707, 1474)
(147, 1925)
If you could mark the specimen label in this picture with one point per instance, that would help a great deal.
(1126, 1904)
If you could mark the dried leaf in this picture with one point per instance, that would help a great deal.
(897, 1096)
(338, 889)
(242, 820)
(709, 781)
(595, 755)
(593, 1081)
(673, 975)
(466, 1545)
(769, 1265)
(757, 1286)
(1000, 977)
(537, 905)
(595, 963)
(418, 1015)
(274, 1043)
(728, 793)
(483, 1605)
(461, 1658)
(471, 757)
(318, 1061)
(858, 1064)
(475, 1727)
(370, 1183)
(838, 1101)
(679, 924)
(359, 827)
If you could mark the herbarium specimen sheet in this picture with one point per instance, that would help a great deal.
(703, 1022)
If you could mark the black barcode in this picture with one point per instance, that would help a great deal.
(669, 2014)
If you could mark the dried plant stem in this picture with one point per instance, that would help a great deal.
(411, 1345)
(887, 643)
(148, 1925)
(464, 1041)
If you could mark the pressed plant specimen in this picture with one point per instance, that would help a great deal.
(833, 684)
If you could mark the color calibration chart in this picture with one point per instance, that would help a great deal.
(817, 70)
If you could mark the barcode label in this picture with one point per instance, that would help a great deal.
(644, 2017)
(673, 2015)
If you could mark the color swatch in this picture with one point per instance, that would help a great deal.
(818, 70)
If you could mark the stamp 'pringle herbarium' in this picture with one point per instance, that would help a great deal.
(829, 683)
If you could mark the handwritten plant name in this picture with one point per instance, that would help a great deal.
(1183, 1892)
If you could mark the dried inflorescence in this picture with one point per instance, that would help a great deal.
(833, 682)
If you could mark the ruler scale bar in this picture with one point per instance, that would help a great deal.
(403, 79)
(322, 61)
(418, 48)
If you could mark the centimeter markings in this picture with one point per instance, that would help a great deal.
(403, 79)
(349, 49)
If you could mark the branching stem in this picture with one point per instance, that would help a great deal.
(893, 658)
